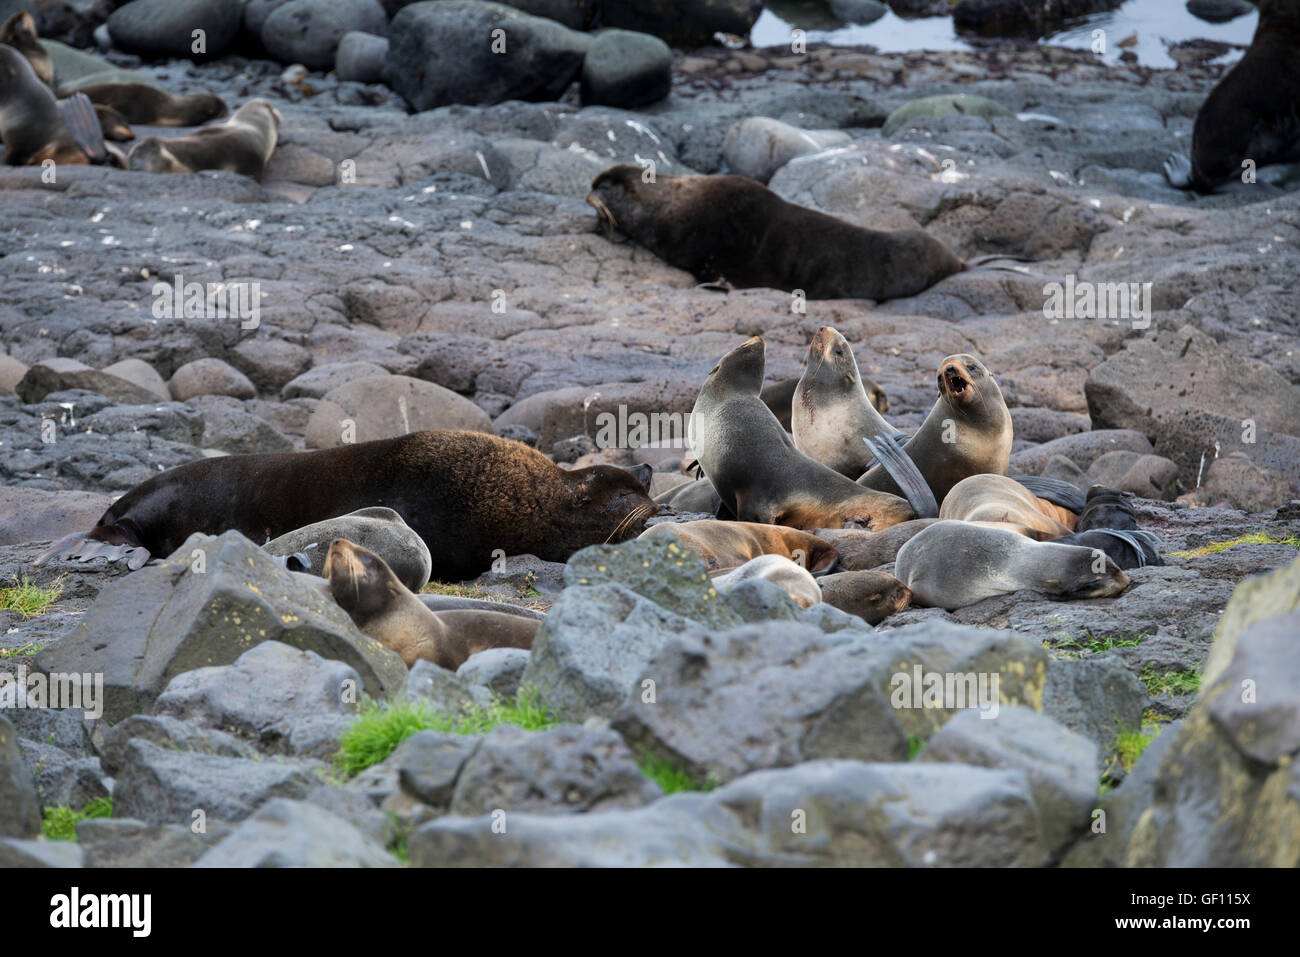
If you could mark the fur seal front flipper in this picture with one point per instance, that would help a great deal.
(83, 124)
(905, 474)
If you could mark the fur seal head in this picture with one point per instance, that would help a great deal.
(19, 32)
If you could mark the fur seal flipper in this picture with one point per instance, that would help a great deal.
(889, 453)
(83, 124)
(1057, 491)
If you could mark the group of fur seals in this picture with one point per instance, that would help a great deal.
(754, 466)
(735, 231)
(386, 610)
(468, 495)
(1254, 112)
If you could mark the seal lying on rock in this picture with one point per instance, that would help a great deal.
(378, 530)
(871, 595)
(243, 144)
(1254, 112)
(724, 545)
(1109, 523)
(754, 466)
(732, 230)
(386, 610)
(996, 498)
(955, 564)
(467, 494)
(149, 106)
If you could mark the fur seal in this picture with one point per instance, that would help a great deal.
(19, 32)
(1109, 523)
(955, 564)
(863, 551)
(466, 494)
(1252, 114)
(147, 105)
(377, 530)
(243, 144)
(386, 610)
(968, 431)
(724, 545)
(791, 577)
(696, 496)
(730, 229)
(754, 466)
(35, 127)
(779, 397)
(872, 596)
(995, 498)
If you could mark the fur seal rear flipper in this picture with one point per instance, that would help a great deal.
(1057, 491)
(83, 124)
(1127, 549)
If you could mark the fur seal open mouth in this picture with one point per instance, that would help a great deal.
(954, 383)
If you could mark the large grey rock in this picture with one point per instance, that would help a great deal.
(442, 690)
(262, 696)
(388, 406)
(442, 53)
(684, 23)
(15, 852)
(1061, 765)
(19, 812)
(759, 146)
(566, 769)
(429, 762)
(169, 618)
(285, 833)
(318, 380)
(171, 733)
(1097, 698)
(497, 668)
(1159, 373)
(229, 427)
(627, 69)
(1194, 438)
(164, 28)
(844, 695)
(1082, 448)
(210, 376)
(35, 515)
(160, 786)
(62, 780)
(362, 58)
(60, 375)
(946, 104)
(126, 842)
(378, 529)
(140, 373)
(309, 31)
(1274, 595)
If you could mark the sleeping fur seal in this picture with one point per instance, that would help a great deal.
(1254, 112)
(243, 144)
(995, 498)
(466, 494)
(968, 431)
(149, 106)
(386, 610)
(791, 577)
(732, 230)
(871, 595)
(754, 466)
(955, 564)
(724, 545)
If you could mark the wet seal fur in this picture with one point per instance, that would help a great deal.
(732, 230)
(970, 399)
(997, 498)
(955, 564)
(1254, 112)
(466, 494)
(726, 545)
(243, 144)
(754, 466)
(389, 612)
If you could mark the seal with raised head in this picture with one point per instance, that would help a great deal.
(35, 127)
(466, 494)
(754, 466)
(724, 545)
(1254, 112)
(243, 144)
(968, 431)
(19, 32)
(996, 498)
(734, 231)
(150, 106)
(389, 612)
(955, 564)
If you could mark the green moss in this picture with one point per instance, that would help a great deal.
(461, 591)
(60, 823)
(1126, 747)
(381, 726)
(24, 652)
(29, 599)
(673, 778)
(1250, 538)
(915, 744)
(1170, 682)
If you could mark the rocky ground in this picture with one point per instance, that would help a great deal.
(437, 269)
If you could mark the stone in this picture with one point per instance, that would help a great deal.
(946, 104)
(39, 853)
(758, 146)
(209, 377)
(36, 515)
(858, 11)
(429, 763)
(388, 406)
(378, 529)
(320, 379)
(499, 669)
(1095, 697)
(60, 375)
(19, 811)
(289, 833)
(138, 372)
(362, 58)
(309, 31)
(164, 28)
(127, 842)
(1256, 599)
(626, 69)
(270, 363)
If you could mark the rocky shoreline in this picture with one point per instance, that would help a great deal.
(442, 270)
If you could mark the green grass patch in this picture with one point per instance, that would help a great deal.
(29, 599)
(1071, 647)
(1152, 716)
(915, 744)
(1250, 538)
(672, 778)
(461, 591)
(1170, 682)
(1126, 747)
(26, 651)
(381, 727)
(60, 823)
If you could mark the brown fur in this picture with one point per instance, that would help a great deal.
(726, 545)
(872, 596)
(149, 106)
(996, 498)
(243, 144)
(31, 125)
(19, 32)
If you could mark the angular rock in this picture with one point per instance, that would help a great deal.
(126, 842)
(288, 833)
(19, 811)
(497, 668)
(1094, 697)
(60, 375)
(170, 733)
(1256, 599)
(39, 853)
(429, 762)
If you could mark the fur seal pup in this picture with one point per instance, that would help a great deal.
(967, 432)
(754, 466)
(466, 494)
(243, 144)
(1254, 112)
(955, 564)
(872, 596)
(386, 610)
(995, 498)
(791, 577)
(19, 32)
(733, 230)
(147, 105)
(724, 545)
(35, 127)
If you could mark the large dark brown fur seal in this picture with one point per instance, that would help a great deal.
(467, 494)
(1254, 112)
(732, 230)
